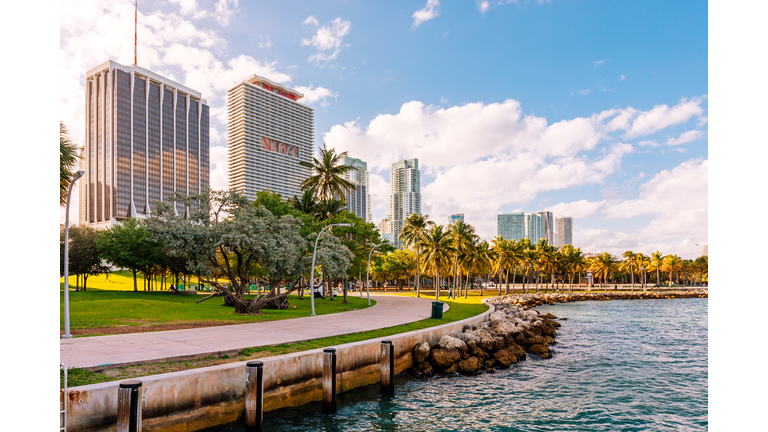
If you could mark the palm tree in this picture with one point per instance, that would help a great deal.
(413, 232)
(327, 208)
(69, 161)
(498, 250)
(462, 238)
(306, 204)
(476, 261)
(483, 261)
(629, 264)
(643, 262)
(657, 261)
(605, 263)
(702, 265)
(437, 245)
(672, 263)
(328, 179)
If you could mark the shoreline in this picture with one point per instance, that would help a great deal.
(532, 300)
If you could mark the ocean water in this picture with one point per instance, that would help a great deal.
(629, 365)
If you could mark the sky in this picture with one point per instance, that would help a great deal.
(592, 109)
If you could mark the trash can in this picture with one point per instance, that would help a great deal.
(437, 310)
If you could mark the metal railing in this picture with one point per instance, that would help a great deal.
(65, 394)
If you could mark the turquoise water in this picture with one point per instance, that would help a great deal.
(635, 365)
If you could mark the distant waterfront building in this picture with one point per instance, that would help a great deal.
(405, 199)
(268, 134)
(456, 217)
(548, 225)
(534, 227)
(705, 250)
(511, 226)
(146, 137)
(564, 228)
(358, 199)
(383, 225)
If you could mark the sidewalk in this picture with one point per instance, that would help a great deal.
(156, 346)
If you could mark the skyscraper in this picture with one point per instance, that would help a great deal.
(511, 226)
(548, 225)
(269, 132)
(146, 138)
(456, 217)
(564, 228)
(359, 198)
(405, 199)
(534, 227)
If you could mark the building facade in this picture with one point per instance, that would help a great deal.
(359, 198)
(534, 227)
(705, 250)
(456, 217)
(269, 132)
(405, 198)
(146, 138)
(511, 226)
(564, 229)
(383, 226)
(547, 219)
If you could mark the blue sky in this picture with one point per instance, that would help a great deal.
(596, 109)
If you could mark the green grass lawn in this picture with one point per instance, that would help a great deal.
(459, 310)
(96, 309)
(117, 281)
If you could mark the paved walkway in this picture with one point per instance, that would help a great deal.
(152, 346)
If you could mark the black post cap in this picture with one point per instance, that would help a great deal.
(131, 384)
(329, 350)
(255, 363)
(387, 342)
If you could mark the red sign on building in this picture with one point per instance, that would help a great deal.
(279, 147)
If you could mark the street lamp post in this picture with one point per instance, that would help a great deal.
(312, 274)
(368, 272)
(75, 177)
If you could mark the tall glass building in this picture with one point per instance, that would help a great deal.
(456, 217)
(359, 198)
(146, 138)
(547, 219)
(268, 133)
(405, 199)
(564, 228)
(511, 226)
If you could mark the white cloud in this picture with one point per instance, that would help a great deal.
(426, 14)
(576, 209)
(662, 116)
(311, 20)
(380, 190)
(622, 78)
(686, 137)
(585, 92)
(265, 42)
(315, 94)
(327, 38)
(219, 179)
(187, 7)
(225, 9)
(483, 5)
(599, 63)
(648, 143)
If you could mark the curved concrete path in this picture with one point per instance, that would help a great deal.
(137, 348)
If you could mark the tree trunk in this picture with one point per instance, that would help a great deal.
(135, 286)
(437, 282)
(418, 273)
(506, 282)
(85, 282)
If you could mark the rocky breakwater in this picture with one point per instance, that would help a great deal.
(512, 332)
(533, 300)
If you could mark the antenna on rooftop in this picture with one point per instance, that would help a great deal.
(136, 33)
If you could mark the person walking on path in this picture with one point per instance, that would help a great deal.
(450, 293)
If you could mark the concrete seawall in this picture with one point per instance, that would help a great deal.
(199, 398)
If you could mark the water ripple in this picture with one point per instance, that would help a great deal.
(633, 365)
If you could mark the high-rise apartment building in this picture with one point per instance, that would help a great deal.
(705, 249)
(456, 217)
(359, 198)
(534, 227)
(146, 138)
(564, 228)
(511, 226)
(383, 225)
(548, 225)
(268, 133)
(405, 199)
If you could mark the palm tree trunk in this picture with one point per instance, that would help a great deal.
(418, 273)
(514, 275)
(437, 282)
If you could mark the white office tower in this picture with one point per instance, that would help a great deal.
(564, 228)
(146, 137)
(548, 221)
(405, 199)
(534, 227)
(359, 198)
(268, 133)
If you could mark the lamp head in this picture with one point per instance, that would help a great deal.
(76, 176)
(344, 224)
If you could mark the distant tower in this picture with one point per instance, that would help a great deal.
(456, 217)
(405, 199)
(564, 228)
(705, 250)
(511, 226)
(358, 198)
(548, 226)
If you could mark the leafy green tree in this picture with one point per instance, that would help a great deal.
(69, 161)
(129, 245)
(84, 253)
(397, 265)
(306, 204)
(412, 235)
(327, 179)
